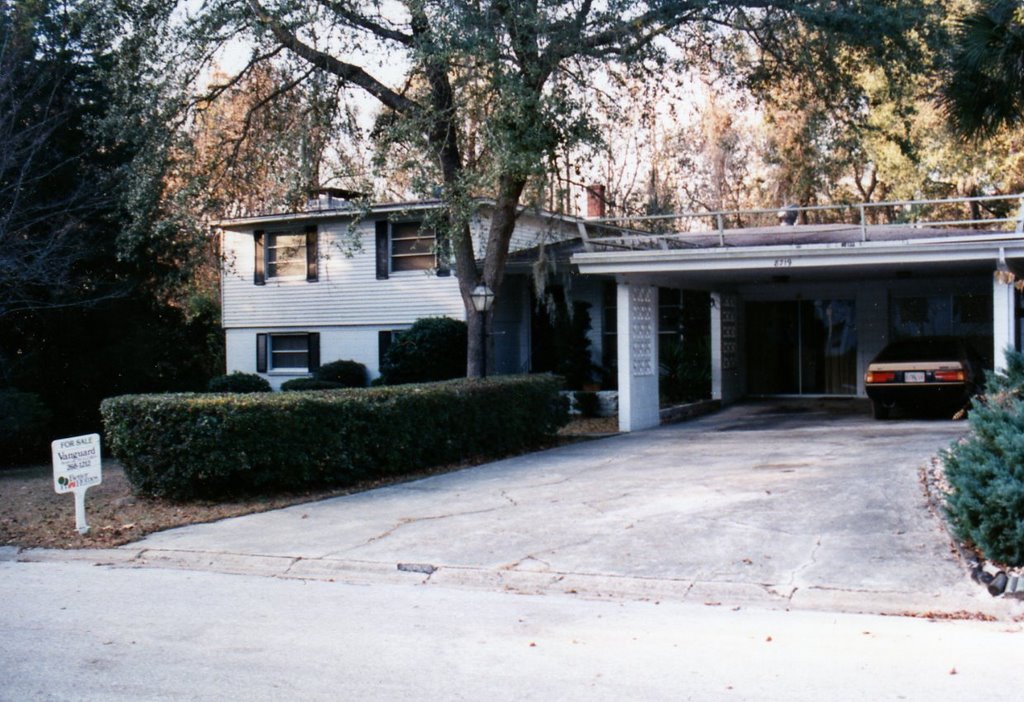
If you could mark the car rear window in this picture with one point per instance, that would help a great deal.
(924, 349)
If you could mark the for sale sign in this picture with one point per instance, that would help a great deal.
(76, 463)
(77, 466)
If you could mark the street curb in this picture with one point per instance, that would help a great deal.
(586, 585)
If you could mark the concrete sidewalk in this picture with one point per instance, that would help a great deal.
(776, 504)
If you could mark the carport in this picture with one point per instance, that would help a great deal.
(800, 310)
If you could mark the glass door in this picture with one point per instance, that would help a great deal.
(802, 347)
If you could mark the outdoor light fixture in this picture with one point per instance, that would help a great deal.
(482, 297)
(483, 300)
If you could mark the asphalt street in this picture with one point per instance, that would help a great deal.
(73, 631)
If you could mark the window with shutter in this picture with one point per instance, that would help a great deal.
(406, 246)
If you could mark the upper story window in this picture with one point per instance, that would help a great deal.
(285, 255)
(412, 247)
(406, 246)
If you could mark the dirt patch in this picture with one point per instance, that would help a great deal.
(590, 426)
(33, 515)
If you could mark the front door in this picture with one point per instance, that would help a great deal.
(802, 347)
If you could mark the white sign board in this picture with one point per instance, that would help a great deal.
(77, 466)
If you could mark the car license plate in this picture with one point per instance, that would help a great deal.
(913, 377)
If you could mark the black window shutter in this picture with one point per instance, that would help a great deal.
(383, 343)
(383, 250)
(311, 253)
(261, 353)
(313, 361)
(443, 254)
(259, 277)
(443, 270)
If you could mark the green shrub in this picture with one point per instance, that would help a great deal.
(24, 422)
(349, 374)
(561, 339)
(986, 469)
(296, 384)
(191, 446)
(434, 348)
(588, 403)
(239, 382)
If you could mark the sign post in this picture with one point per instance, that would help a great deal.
(77, 466)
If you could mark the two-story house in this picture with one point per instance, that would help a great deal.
(336, 281)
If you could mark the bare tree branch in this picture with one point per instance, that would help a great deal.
(325, 61)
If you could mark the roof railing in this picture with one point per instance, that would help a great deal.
(1002, 213)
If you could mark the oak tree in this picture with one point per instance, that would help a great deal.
(487, 92)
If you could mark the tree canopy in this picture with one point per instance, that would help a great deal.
(984, 86)
(488, 93)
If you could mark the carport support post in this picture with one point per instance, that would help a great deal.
(637, 317)
(1003, 316)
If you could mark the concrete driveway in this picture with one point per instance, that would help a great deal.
(809, 505)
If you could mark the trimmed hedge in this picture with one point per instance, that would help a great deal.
(348, 374)
(433, 348)
(239, 382)
(193, 446)
(299, 384)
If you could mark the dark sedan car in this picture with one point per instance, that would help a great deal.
(933, 373)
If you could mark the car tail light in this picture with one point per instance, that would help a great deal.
(880, 377)
(949, 376)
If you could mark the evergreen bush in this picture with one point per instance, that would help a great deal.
(432, 349)
(986, 469)
(588, 403)
(348, 374)
(299, 384)
(203, 446)
(562, 344)
(239, 382)
(24, 422)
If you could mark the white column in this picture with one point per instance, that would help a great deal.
(716, 346)
(637, 316)
(727, 374)
(1003, 317)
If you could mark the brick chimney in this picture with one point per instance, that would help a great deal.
(596, 201)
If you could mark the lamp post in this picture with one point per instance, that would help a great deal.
(483, 299)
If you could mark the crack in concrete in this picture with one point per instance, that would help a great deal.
(406, 521)
(553, 550)
(606, 500)
(811, 560)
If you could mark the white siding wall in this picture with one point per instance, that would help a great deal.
(336, 343)
(347, 292)
(531, 230)
(348, 306)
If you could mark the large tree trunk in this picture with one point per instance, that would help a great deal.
(503, 223)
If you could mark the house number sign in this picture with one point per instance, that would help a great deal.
(77, 466)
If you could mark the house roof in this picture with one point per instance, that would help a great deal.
(344, 209)
(558, 252)
(947, 246)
